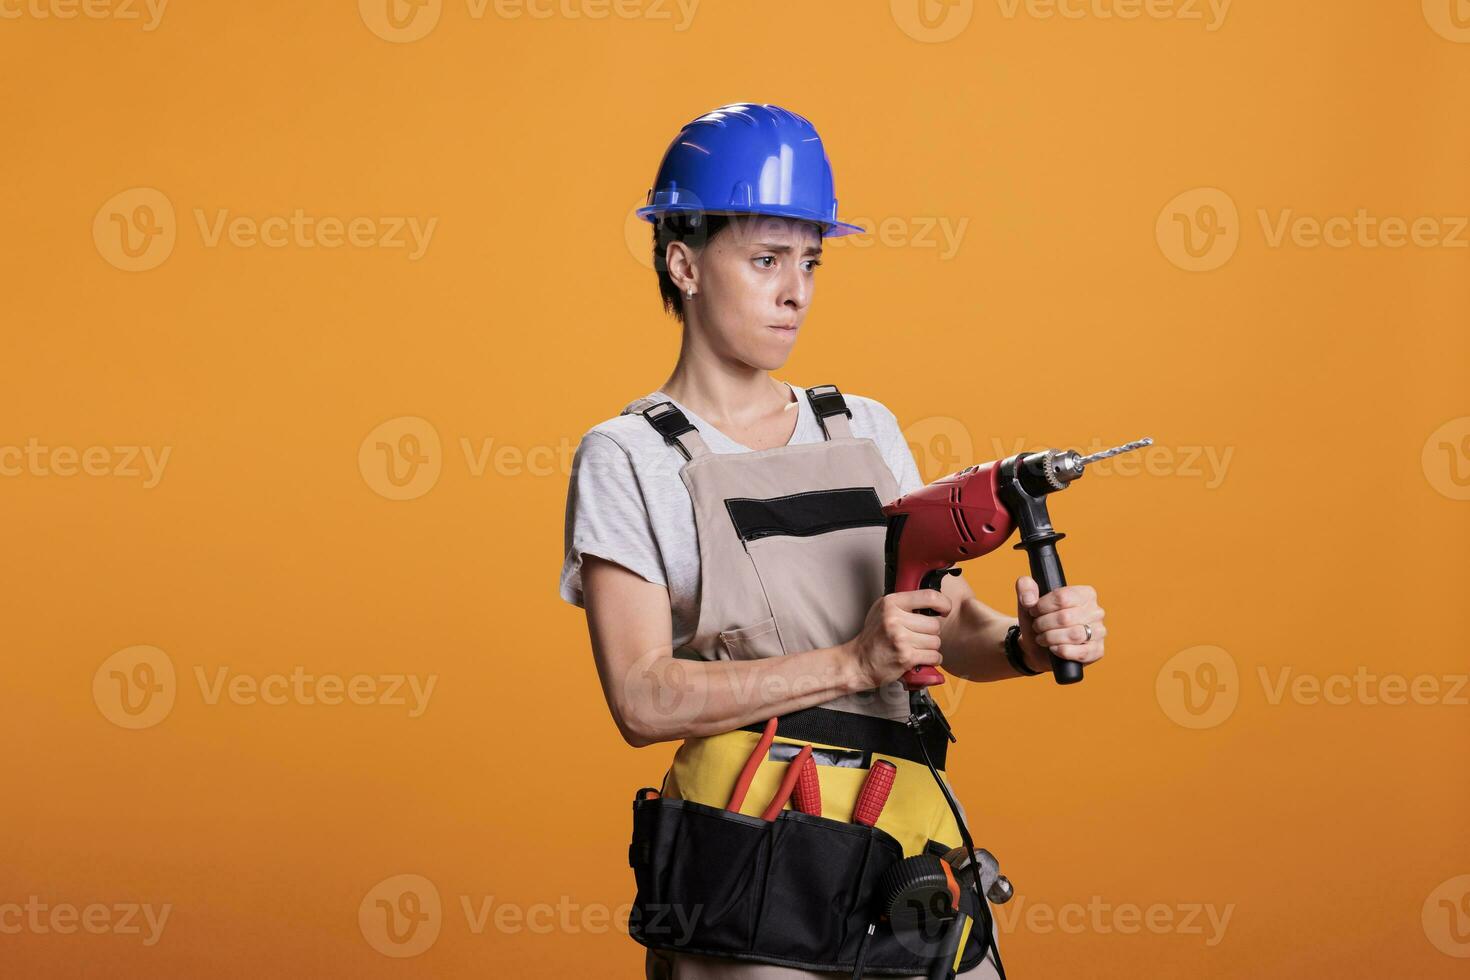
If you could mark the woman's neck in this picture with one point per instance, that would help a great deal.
(738, 399)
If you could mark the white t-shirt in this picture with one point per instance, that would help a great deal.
(627, 504)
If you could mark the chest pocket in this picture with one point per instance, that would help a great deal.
(819, 557)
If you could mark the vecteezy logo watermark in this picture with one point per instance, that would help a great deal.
(1363, 686)
(1363, 230)
(1446, 458)
(404, 21)
(401, 916)
(1204, 919)
(567, 917)
(301, 230)
(97, 918)
(1199, 230)
(149, 12)
(299, 687)
(940, 445)
(119, 462)
(1446, 917)
(400, 21)
(638, 236)
(1211, 13)
(1209, 464)
(1198, 687)
(674, 689)
(1450, 19)
(401, 458)
(932, 21)
(136, 230)
(136, 688)
(939, 233)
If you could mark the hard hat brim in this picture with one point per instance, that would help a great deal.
(830, 228)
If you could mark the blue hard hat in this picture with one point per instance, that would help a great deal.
(747, 158)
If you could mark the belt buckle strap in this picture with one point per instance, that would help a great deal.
(670, 423)
(827, 401)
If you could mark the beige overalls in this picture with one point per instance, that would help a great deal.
(791, 547)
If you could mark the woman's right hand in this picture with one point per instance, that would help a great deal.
(896, 638)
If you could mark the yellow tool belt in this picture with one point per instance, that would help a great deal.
(798, 889)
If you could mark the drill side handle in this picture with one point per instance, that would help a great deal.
(1046, 568)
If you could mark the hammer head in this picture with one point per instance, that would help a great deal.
(997, 887)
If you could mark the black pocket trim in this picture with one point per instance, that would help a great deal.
(807, 513)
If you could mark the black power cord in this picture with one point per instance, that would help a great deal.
(986, 919)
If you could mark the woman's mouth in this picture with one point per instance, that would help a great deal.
(784, 331)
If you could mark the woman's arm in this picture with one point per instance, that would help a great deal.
(655, 697)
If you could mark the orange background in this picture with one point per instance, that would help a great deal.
(1334, 541)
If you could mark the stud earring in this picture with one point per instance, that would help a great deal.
(689, 293)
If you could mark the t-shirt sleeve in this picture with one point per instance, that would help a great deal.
(896, 451)
(606, 516)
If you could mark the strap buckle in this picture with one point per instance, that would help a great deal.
(826, 401)
(670, 423)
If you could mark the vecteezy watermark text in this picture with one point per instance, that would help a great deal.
(1201, 686)
(300, 687)
(1125, 918)
(403, 915)
(136, 230)
(1211, 13)
(137, 686)
(406, 21)
(150, 12)
(98, 918)
(1199, 229)
(120, 462)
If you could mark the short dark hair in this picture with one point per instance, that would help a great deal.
(694, 228)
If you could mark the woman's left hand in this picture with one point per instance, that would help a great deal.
(1058, 623)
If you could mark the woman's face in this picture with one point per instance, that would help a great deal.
(753, 286)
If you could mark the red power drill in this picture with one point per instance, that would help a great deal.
(973, 512)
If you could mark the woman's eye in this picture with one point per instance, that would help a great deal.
(812, 264)
(765, 258)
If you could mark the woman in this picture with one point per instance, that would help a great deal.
(725, 536)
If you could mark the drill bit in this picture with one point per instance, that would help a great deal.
(1125, 448)
(1059, 467)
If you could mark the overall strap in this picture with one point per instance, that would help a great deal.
(831, 410)
(676, 429)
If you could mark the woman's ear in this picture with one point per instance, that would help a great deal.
(680, 259)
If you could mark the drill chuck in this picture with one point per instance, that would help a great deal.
(1052, 469)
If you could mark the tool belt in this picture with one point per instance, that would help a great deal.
(798, 890)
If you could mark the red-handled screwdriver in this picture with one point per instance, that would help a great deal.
(874, 793)
(808, 795)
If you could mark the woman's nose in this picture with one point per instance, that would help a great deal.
(796, 289)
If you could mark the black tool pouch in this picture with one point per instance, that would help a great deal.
(798, 891)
